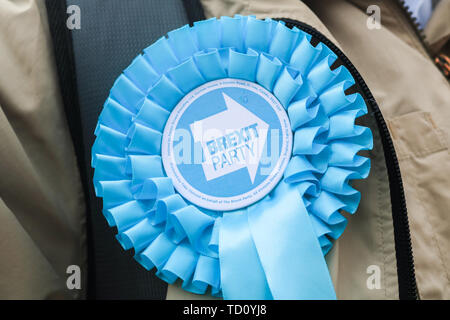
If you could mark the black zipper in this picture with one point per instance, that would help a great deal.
(405, 261)
(412, 21)
(415, 26)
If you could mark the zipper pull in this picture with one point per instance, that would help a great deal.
(443, 63)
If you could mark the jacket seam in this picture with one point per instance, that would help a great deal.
(433, 236)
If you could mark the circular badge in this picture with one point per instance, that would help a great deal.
(226, 144)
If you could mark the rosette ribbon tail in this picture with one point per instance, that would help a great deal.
(271, 250)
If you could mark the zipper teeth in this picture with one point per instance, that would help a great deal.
(419, 33)
(415, 26)
(405, 261)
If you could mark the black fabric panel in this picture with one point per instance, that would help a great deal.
(64, 59)
(112, 33)
(194, 10)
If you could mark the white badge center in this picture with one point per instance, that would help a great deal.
(226, 144)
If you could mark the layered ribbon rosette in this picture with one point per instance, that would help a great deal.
(273, 248)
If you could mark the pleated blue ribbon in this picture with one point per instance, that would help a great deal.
(272, 249)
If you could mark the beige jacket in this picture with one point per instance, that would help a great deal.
(42, 210)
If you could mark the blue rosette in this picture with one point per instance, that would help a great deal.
(273, 248)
